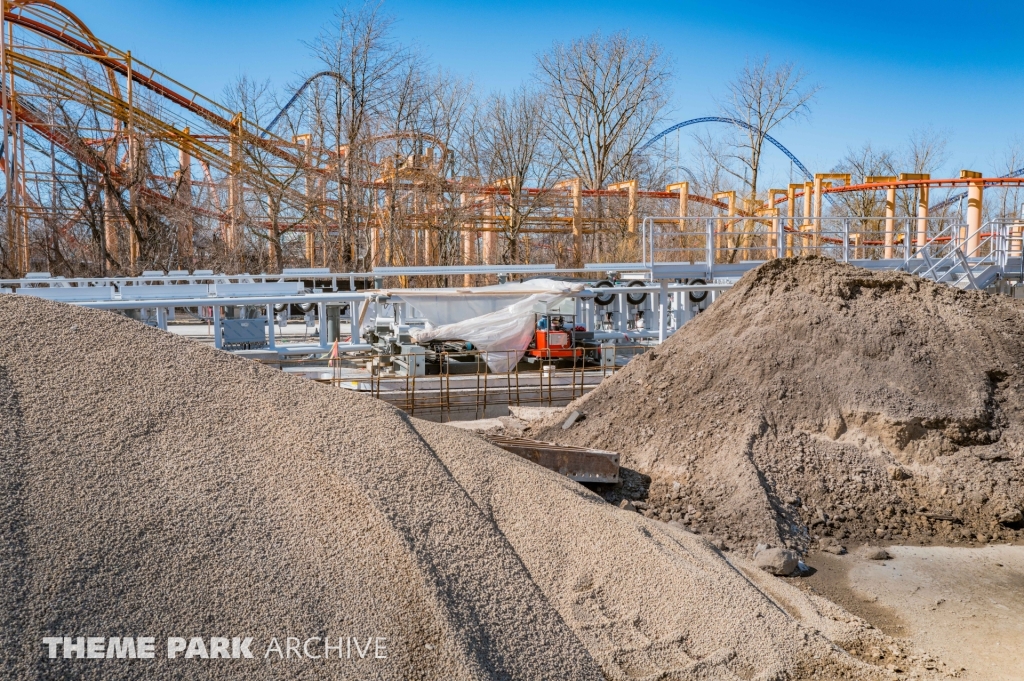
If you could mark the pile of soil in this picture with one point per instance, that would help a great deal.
(816, 401)
(150, 486)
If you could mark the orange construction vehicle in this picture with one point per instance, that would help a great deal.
(554, 338)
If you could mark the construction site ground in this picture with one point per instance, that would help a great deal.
(962, 605)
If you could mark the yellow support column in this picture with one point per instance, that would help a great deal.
(890, 210)
(808, 226)
(683, 189)
(631, 187)
(816, 214)
(921, 237)
(684, 201)
(776, 237)
(490, 237)
(726, 225)
(791, 214)
(185, 235)
(234, 185)
(975, 196)
(575, 187)
(823, 181)
(467, 243)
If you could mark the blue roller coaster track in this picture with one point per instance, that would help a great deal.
(298, 93)
(738, 123)
(956, 198)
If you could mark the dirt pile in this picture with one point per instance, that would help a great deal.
(153, 487)
(819, 401)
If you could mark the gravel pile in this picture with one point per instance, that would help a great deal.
(820, 402)
(150, 486)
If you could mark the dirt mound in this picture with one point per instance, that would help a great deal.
(153, 487)
(820, 401)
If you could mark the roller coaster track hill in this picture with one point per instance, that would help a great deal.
(89, 128)
(83, 105)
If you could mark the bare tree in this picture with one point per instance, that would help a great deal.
(514, 152)
(603, 96)
(925, 152)
(444, 114)
(860, 164)
(273, 203)
(360, 53)
(763, 97)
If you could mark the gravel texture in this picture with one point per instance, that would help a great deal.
(816, 401)
(150, 486)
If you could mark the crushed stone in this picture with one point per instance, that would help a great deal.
(153, 486)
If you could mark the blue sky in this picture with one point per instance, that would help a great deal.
(887, 69)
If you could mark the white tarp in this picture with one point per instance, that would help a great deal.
(502, 335)
(455, 305)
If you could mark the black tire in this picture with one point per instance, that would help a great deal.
(604, 300)
(636, 298)
(698, 296)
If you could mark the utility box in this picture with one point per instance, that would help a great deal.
(244, 334)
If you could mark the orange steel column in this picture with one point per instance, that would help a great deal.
(110, 228)
(772, 250)
(816, 208)
(684, 200)
(577, 222)
(921, 237)
(134, 248)
(575, 187)
(684, 206)
(975, 195)
(310, 236)
(776, 237)
(630, 186)
(726, 224)
(184, 194)
(234, 184)
(890, 220)
(490, 237)
(807, 225)
(890, 210)
(111, 212)
(791, 215)
(467, 253)
(820, 185)
(467, 245)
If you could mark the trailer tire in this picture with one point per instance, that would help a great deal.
(636, 298)
(604, 300)
(697, 296)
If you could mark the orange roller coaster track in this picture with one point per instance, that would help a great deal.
(99, 150)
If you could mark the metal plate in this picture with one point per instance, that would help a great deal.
(578, 463)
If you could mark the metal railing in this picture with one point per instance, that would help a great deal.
(733, 239)
(473, 390)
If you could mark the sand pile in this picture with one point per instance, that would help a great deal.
(819, 401)
(152, 487)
